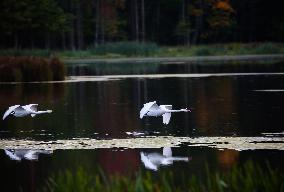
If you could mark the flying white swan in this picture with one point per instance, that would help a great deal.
(152, 161)
(19, 154)
(152, 109)
(24, 110)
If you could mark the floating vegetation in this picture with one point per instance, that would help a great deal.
(76, 79)
(235, 143)
(29, 69)
(247, 177)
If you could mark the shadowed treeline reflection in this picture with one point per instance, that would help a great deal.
(76, 168)
(225, 105)
(46, 95)
(108, 68)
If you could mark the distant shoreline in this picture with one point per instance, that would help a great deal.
(165, 60)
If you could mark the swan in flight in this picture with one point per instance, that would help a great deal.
(19, 154)
(152, 109)
(152, 161)
(24, 110)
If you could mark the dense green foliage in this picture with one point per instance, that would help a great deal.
(134, 49)
(73, 24)
(249, 177)
(126, 49)
(28, 69)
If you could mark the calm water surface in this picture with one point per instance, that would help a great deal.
(231, 104)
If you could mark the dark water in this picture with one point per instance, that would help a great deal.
(224, 105)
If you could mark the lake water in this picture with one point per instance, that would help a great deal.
(102, 102)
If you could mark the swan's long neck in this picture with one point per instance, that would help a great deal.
(178, 158)
(41, 112)
(180, 110)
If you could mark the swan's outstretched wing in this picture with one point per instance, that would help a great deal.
(146, 108)
(167, 152)
(31, 155)
(34, 154)
(148, 164)
(166, 118)
(12, 108)
(12, 155)
(30, 107)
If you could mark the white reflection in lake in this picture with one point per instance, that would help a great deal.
(154, 160)
(19, 154)
(269, 90)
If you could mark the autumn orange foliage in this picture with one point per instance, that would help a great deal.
(224, 5)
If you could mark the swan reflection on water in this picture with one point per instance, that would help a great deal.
(154, 160)
(19, 154)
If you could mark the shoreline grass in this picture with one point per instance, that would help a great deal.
(246, 177)
(135, 49)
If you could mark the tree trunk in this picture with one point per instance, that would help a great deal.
(97, 25)
(188, 34)
(183, 20)
(157, 20)
(198, 23)
(143, 21)
(136, 21)
(72, 28)
(47, 40)
(63, 38)
(16, 41)
(102, 22)
(80, 40)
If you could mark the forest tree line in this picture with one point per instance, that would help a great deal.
(81, 24)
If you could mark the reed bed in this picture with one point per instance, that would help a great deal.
(247, 178)
(30, 68)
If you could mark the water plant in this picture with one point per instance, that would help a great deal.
(246, 177)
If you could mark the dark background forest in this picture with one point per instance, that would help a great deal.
(75, 24)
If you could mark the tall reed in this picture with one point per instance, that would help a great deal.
(247, 177)
(28, 69)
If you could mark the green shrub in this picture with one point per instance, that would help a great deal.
(25, 52)
(126, 49)
(202, 51)
(267, 48)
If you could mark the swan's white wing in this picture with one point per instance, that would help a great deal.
(12, 108)
(33, 107)
(30, 107)
(12, 155)
(167, 152)
(148, 164)
(146, 108)
(166, 118)
(31, 155)
(169, 107)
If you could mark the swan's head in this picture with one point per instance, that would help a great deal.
(186, 110)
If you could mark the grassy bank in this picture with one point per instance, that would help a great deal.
(248, 177)
(134, 49)
(27, 69)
